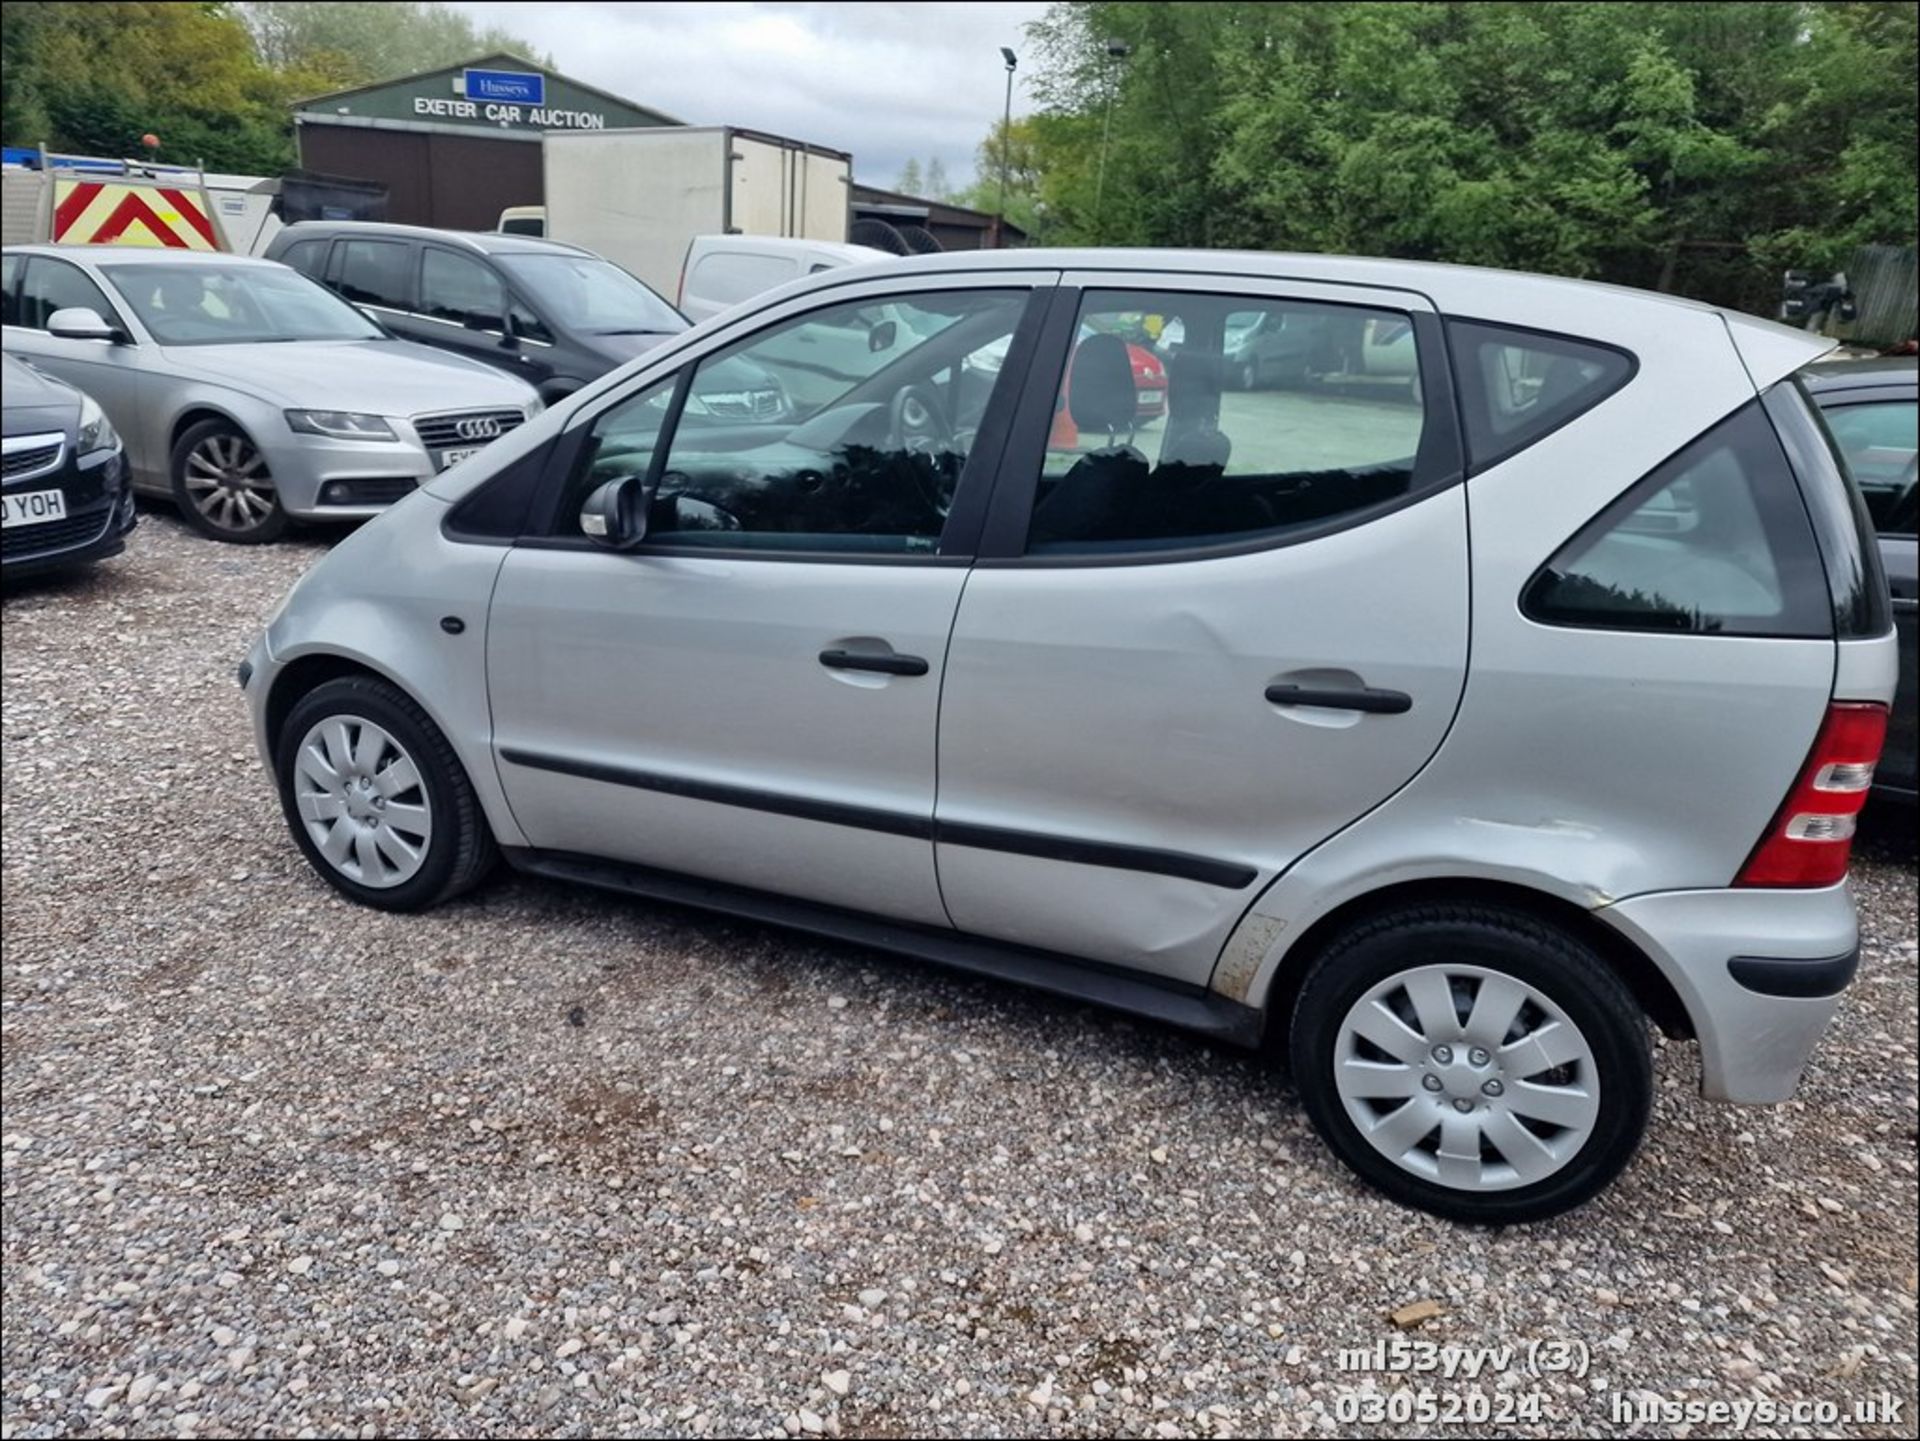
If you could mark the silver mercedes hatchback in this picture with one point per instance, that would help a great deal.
(1499, 675)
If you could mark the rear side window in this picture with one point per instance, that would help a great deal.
(1517, 386)
(1189, 420)
(374, 272)
(306, 256)
(1716, 541)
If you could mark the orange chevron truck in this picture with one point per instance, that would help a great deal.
(110, 203)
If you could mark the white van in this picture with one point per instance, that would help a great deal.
(722, 270)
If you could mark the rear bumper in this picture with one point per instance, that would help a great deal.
(1759, 971)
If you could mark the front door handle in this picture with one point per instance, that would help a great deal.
(886, 662)
(1362, 698)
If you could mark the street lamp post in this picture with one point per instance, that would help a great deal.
(1116, 50)
(1006, 146)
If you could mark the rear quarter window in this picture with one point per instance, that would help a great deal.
(1518, 386)
(1715, 541)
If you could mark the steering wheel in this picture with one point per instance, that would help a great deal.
(917, 422)
(917, 425)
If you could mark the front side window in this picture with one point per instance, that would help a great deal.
(461, 291)
(1715, 541)
(842, 430)
(374, 272)
(52, 285)
(235, 304)
(1189, 420)
(306, 256)
(1879, 441)
(590, 296)
(10, 268)
(622, 443)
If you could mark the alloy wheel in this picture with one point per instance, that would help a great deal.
(362, 801)
(1467, 1077)
(227, 481)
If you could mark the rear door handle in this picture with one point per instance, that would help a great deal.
(885, 662)
(1365, 698)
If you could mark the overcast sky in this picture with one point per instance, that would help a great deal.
(883, 81)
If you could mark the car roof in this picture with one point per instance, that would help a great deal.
(487, 242)
(1827, 376)
(789, 245)
(139, 255)
(1612, 314)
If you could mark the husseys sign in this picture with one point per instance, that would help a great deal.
(506, 97)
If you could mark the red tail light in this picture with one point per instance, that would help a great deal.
(1811, 837)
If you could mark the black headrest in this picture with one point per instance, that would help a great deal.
(1100, 388)
(1193, 386)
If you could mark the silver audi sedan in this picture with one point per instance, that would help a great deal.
(246, 392)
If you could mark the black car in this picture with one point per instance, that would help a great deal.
(64, 487)
(555, 315)
(1872, 407)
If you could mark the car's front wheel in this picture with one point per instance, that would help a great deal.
(377, 799)
(223, 486)
(1475, 1062)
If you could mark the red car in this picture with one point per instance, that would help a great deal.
(1149, 383)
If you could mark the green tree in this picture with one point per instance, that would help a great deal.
(1693, 147)
(910, 181)
(1018, 146)
(95, 77)
(356, 43)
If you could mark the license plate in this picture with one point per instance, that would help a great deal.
(454, 457)
(36, 507)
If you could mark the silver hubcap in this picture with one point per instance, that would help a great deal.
(1467, 1077)
(227, 481)
(362, 801)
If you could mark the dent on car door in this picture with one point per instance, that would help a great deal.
(1195, 646)
(751, 694)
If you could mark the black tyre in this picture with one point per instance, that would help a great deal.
(223, 487)
(920, 240)
(1472, 1061)
(377, 799)
(877, 235)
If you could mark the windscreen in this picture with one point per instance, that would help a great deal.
(235, 305)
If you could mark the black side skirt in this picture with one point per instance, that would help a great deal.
(1175, 1003)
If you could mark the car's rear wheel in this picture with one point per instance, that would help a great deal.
(1475, 1062)
(223, 486)
(377, 799)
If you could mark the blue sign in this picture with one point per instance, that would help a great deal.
(511, 86)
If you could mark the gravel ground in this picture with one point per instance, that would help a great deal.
(550, 1161)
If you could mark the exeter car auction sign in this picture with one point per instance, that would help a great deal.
(514, 100)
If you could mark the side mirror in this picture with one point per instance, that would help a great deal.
(882, 336)
(615, 515)
(78, 322)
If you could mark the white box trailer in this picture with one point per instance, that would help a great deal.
(638, 197)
